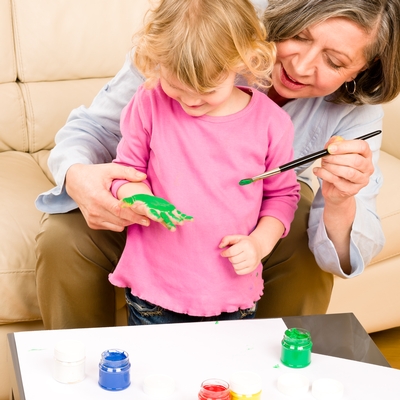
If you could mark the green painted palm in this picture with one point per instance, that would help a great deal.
(160, 208)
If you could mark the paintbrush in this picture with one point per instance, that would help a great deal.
(299, 161)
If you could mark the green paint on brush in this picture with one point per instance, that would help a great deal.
(245, 182)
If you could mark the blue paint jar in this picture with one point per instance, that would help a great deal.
(114, 370)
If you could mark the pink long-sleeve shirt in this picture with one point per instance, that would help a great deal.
(196, 163)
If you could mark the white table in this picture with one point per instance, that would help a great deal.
(191, 353)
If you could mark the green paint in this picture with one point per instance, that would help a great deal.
(245, 182)
(295, 333)
(160, 208)
(296, 348)
(276, 366)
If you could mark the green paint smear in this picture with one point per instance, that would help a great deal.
(160, 208)
(245, 182)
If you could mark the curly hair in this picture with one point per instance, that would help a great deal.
(379, 82)
(201, 41)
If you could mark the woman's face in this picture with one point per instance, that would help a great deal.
(320, 59)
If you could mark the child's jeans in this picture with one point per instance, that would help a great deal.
(142, 312)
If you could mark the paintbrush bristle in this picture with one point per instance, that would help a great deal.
(244, 182)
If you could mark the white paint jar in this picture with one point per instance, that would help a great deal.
(69, 361)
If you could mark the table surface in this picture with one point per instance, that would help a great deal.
(190, 353)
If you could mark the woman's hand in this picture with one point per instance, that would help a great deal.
(89, 186)
(346, 170)
(344, 173)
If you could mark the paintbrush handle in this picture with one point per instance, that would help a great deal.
(303, 160)
(299, 161)
(319, 154)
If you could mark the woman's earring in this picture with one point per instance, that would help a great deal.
(354, 87)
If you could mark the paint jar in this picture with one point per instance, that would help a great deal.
(245, 385)
(69, 361)
(214, 389)
(296, 348)
(114, 370)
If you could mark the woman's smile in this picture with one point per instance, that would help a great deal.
(290, 82)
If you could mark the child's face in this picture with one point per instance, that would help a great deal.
(218, 102)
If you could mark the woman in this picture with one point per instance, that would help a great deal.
(335, 62)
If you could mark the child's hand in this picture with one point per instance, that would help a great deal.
(158, 209)
(244, 253)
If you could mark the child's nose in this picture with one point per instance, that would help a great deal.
(191, 100)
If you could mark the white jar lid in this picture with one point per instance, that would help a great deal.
(159, 385)
(293, 384)
(327, 389)
(69, 350)
(245, 383)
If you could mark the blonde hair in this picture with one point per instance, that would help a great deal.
(380, 81)
(201, 41)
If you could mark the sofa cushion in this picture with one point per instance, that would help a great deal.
(48, 105)
(21, 180)
(93, 46)
(13, 132)
(391, 128)
(8, 67)
(388, 206)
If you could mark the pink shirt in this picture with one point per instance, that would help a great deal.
(196, 163)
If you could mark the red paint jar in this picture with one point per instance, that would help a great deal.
(214, 389)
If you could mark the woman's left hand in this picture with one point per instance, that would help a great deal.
(346, 170)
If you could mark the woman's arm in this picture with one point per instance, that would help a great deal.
(344, 229)
(316, 121)
(344, 174)
(91, 136)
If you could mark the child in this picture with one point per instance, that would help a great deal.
(196, 135)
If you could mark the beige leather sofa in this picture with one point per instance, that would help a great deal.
(55, 56)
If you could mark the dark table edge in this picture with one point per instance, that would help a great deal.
(361, 347)
(17, 370)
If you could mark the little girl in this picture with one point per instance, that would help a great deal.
(196, 135)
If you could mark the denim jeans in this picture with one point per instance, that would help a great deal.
(142, 312)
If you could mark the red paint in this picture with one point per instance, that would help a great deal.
(214, 389)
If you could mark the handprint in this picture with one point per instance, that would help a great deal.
(160, 208)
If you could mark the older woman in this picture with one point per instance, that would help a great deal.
(336, 62)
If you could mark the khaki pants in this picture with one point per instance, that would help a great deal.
(73, 263)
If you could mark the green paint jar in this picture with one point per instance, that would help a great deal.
(296, 348)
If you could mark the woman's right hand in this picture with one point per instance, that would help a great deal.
(89, 186)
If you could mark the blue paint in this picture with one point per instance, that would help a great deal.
(114, 370)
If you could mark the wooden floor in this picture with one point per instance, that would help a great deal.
(388, 343)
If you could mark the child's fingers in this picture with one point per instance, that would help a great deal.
(232, 247)
(229, 240)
